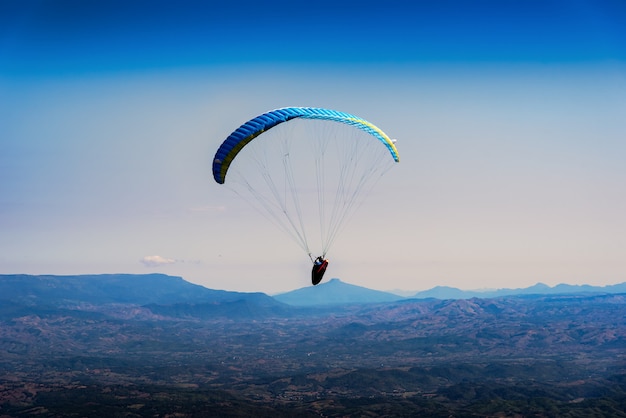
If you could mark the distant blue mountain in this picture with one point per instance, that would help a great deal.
(160, 294)
(335, 292)
(170, 295)
(444, 292)
(137, 289)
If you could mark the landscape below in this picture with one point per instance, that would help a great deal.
(156, 345)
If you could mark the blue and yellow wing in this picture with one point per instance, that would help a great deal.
(256, 126)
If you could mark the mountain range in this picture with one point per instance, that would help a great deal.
(157, 345)
(444, 292)
(138, 289)
(175, 295)
(158, 294)
(336, 292)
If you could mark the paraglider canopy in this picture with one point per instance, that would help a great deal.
(255, 127)
(306, 169)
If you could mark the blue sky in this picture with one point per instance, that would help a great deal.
(509, 117)
(69, 37)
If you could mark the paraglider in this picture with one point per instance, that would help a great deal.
(319, 268)
(306, 169)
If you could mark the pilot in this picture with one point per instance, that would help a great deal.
(319, 268)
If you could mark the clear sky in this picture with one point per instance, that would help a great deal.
(510, 118)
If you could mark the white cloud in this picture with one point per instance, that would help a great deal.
(156, 260)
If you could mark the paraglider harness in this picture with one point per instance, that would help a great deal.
(319, 268)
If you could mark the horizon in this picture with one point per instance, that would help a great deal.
(511, 142)
(403, 293)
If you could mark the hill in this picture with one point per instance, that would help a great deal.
(162, 294)
(335, 292)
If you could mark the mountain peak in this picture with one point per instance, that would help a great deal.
(334, 292)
